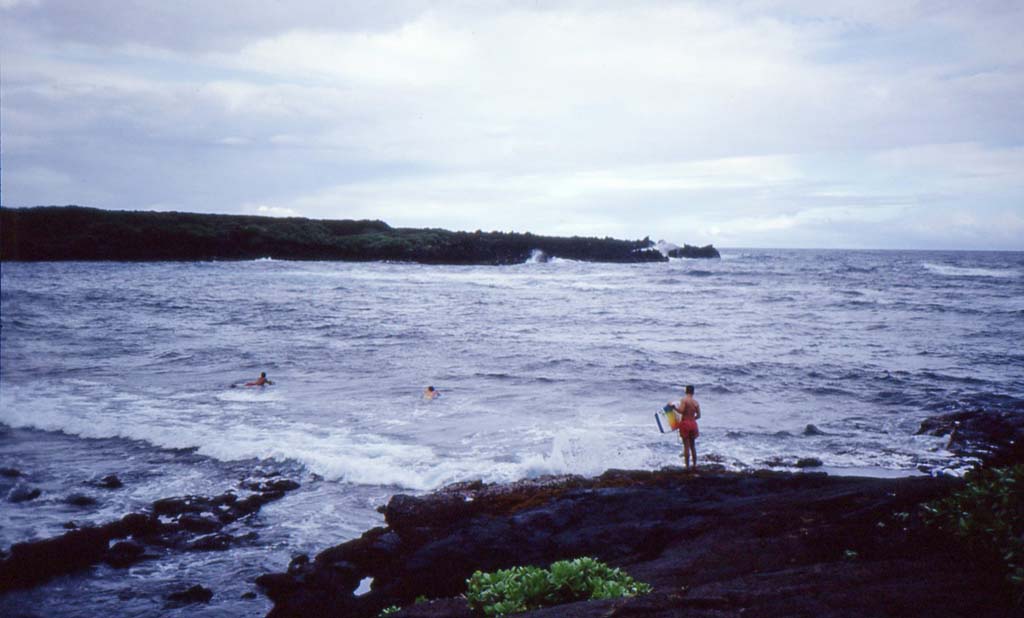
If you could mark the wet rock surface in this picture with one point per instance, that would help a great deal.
(712, 544)
(184, 523)
(195, 594)
(809, 462)
(109, 482)
(123, 554)
(690, 251)
(23, 493)
(80, 500)
(995, 438)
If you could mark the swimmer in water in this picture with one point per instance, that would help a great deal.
(431, 393)
(260, 381)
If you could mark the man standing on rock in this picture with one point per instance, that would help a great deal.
(689, 411)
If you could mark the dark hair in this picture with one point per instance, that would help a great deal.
(263, 374)
(430, 388)
(689, 389)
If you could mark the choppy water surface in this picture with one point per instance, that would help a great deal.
(544, 368)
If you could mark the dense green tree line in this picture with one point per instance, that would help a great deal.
(77, 233)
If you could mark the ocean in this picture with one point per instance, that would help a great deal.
(135, 369)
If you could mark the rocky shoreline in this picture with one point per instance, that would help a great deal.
(711, 544)
(185, 523)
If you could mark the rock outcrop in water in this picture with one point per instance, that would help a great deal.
(689, 251)
(996, 438)
(711, 545)
(187, 523)
(75, 233)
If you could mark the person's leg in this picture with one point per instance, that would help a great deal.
(686, 451)
(692, 440)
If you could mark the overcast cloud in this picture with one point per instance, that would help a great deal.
(875, 124)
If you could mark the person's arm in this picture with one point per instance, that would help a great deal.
(697, 416)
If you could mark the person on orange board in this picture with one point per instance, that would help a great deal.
(260, 381)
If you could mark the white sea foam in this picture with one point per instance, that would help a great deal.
(336, 452)
(958, 271)
(537, 257)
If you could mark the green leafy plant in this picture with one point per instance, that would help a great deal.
(988, 515)
(387, 611)
(523, 588)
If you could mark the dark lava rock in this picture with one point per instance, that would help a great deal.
(812, 430)
(249, 595)
(280, 485)
(110, 482)
(809, 462)
(80, 500)
(124, 554)
(273, 484)
(199, 523)
(297, 564)
(32, 563)
(195, 594)
(278, 585)
(10, 472)
(997, 438)
(690, 251)
(172, 507)
(23, 493)
(211, 542)
(711, 545)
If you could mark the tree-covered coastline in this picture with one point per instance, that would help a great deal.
(52, 233)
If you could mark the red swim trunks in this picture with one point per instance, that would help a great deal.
(688, 428)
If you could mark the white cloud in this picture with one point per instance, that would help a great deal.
(959, 164)
(754, 122)
(12, 4)
(234, 141)
(416, 54)
(269, 211)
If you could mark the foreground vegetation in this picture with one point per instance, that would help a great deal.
(76, 233)
(520, 589)
(987, 515)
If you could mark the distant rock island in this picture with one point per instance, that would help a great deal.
(686, 251)
(54, 233)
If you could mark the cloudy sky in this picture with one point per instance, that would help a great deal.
(860, 124)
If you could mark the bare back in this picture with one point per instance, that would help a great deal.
(689, 408)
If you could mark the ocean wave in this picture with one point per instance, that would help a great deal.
(831, 391)
(340, 454)
(334, 453)
(959, 271)
(857, 270)
(539, 257)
